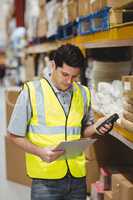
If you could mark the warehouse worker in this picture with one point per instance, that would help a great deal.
(47, 112)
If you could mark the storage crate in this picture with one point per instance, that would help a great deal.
(83, 7)
(84, 25)
(53, 37)
(98, 21)
(67, 31)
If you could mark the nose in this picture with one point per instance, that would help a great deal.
(69, 80)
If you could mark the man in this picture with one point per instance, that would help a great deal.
(47, 112)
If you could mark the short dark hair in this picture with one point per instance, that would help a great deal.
(51, 54)
(70, 55)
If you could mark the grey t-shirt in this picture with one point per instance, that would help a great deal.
(22, 111)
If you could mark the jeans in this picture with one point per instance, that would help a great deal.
(67, 188)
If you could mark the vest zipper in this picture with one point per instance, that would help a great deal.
(68, 170)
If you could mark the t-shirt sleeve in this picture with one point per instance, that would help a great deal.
(21, 115)
(88, 117)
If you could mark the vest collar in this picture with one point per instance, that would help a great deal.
(56, 90)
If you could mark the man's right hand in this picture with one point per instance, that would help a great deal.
(50, 154)
(46, 154)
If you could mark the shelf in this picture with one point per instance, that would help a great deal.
(117, 133)
(117, 35)
(120, 35)
(120, 133)
(43, 48)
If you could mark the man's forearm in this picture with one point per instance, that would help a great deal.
(89, 131)
(24, 144)
(47, 154)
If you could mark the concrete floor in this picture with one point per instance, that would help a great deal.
(8, 190)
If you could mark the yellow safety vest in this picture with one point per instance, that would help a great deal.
(49, 126)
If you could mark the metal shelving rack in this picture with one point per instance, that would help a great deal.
(120, 35)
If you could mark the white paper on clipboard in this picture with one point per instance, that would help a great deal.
(75, 147)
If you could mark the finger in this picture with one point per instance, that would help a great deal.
(59, 149)
(55, 156)
(61, 152)
(103, 129)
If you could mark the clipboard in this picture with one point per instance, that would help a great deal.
(74, 148)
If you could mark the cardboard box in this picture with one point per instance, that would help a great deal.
(96, 5)
(128, 107)
(93, 173)
(118, 3)
(116, 185)
(15, 164)
(127, 190)
(72, 9)
(107, 195)
(128, 115)
(127, 83)
(15, 157)
(115, 17)
(42, 25)
(122, 189)
(128, 86)
(83, 7)
(127, 125)
(129, 100)
(42, 3)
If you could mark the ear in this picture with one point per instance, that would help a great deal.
(53, 66)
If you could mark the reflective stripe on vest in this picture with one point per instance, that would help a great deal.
(49, 126)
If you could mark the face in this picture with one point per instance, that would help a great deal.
(64, 76)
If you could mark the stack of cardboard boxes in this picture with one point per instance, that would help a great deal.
(113, 185)
(127, 120)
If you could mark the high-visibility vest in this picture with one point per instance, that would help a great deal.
(49, 125)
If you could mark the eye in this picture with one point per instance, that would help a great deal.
(64, 74)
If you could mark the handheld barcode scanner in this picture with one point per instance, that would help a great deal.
(113, 118)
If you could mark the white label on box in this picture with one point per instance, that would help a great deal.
(127, 85)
